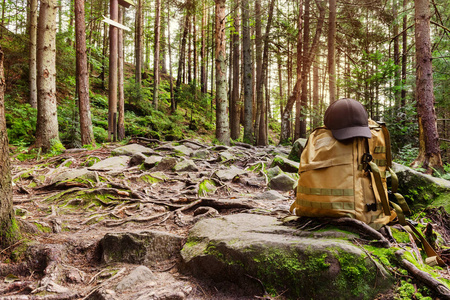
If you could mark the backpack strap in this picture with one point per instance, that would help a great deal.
(380, 187)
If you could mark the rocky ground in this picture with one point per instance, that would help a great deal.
(139, 222)
(85, 209)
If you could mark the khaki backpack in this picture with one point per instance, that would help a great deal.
(348, 179)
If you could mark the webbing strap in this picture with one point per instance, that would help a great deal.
(379, 150)
(327, 205)
(387, 141)
(325, 192)
(394, 180)
(427, 247)
(402, 203)
(380, 188)
(400, 214)
(380, 162)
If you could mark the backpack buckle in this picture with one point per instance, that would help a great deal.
(365, 160)
(371, 207)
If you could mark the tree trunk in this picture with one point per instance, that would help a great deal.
(181, 58)
(262, 139)
(222, 126)
(298, 101)
(247, 75)
(397, 92)
(203, 59)
(87, 133)
(331, 50)
(156, 57)
(113, 52)
(404, 53)
(7, 230)
(290, 103)
(234, 111)
(163, 39)
(258, 62)
(305, 73)
(120, 79)
(32, 64)
(169, 45)
(47, 119)
(138, 41)
(429, 152)
(316, 110)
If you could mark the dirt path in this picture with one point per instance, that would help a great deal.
(60, 257)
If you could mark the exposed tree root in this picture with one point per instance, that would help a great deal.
(439, 288)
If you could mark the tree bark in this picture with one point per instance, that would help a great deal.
(305, 73)
(172, 96)
(247, 75)
(139, 34)
(32, 62)
(181, 58)
(316, 110)
(222, 126)
(397, 92)
(6, 203)
(120, 79)
(47, 120)
(234, 111)
(258, 63)
(429, 152)
(404, 53)
(262, 139)
(87, 133)
(156, 57)
(332, 50)
(290, 103)
(113, 52)
(203, 59)
(298, 101)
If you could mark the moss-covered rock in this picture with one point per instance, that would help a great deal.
(285, 164)
(297, 149)
(240, 247)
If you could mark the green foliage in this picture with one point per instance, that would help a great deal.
(20, 123)
(69, 125)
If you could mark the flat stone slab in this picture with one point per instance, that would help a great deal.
(229, 174)
(251, 250)
(115, 163)
(76, 173)
(132, 149)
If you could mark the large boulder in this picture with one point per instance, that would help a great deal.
(132, 149)
(297, 149)
(115, 163)
(421, 190)
(148, 248)
(253, 250)
(285, 164)
(282, 182)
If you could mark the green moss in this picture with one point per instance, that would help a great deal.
(205, 187)
(150, 179)
(442, 200)
(400, 236)
(9, 232)
(43, 228)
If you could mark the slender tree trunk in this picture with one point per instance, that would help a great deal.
(316, 110)
(404, 53)
(87, 134)
(156, 57)
(248, 71)
(234, 111)
(304, 95)
(7, 234)
(258, 69)
(298, 101)
(139, 34)
(169, 45)
(32, 64)
(163, 39)
(120, 80)
(222, 126)
(429, 152)
(290, 103)
(203, 59)
(194, 42)
(332, 50)
(47, 119)
(262, 137)
(113, 52)
(181, 57)
(397, 91)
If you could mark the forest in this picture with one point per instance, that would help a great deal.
(254, 71)
(125, 126)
